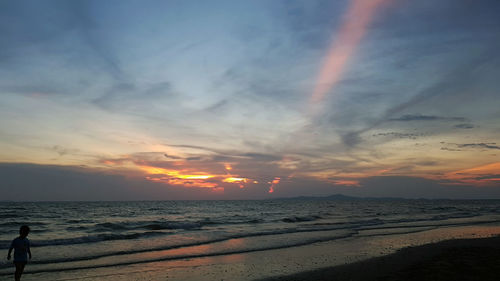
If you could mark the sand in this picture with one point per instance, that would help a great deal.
(459, 259)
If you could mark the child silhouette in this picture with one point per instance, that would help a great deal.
(21, 246)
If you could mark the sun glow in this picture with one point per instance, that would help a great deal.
(175, 177)
(192, 179)
(239, 181)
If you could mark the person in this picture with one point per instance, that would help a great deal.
(21, 246)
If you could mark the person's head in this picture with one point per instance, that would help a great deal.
(24, 231)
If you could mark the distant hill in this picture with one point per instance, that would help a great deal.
(342, 197)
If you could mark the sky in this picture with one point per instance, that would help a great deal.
(163, 100)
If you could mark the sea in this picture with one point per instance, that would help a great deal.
(68, 236)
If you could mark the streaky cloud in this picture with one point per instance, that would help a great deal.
(357, 19)
(480, 145)
(461, 146)
(421, 117)
(464, 126)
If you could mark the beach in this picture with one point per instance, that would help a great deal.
(414, 256)
(243, 240)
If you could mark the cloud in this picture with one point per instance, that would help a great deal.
(357, 21)
(450, 149)
(455, 80)
(397, 135)
(484, 175)
(60, 29)
(261, 156)
(139, 98)
(190, 169)
(479, 145)
(30, 182)
(420, 117)
(464, 126)
(461, 146)
(351, 138)
(172, 156)
(63, 150)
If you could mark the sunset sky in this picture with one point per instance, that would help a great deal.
(120, 100)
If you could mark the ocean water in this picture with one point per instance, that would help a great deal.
(68, 236)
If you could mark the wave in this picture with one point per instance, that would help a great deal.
(158, 225)
(300, 219)
(351, 230)
(18, 224)
(146, 229)
(170, 247)
(148, 225)
(86, 239)
(187, 256)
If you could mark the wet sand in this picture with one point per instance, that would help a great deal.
(460, 259)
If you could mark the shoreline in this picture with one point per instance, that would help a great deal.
(455, 259)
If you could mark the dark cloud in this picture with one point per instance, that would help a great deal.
(30, 182)
(219, 155)
(479, 145)
(261, 157)
(495, 176)
(420, 117)
(194, 158)
(172, 156)
(450, 149)
(196, 147)
(464, 126)
(351, 138)
(399, 135)
(455, 80)
(462, 146)
(250, 164)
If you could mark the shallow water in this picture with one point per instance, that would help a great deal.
(88, 235)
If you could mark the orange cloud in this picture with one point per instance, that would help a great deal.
(175, 177)
(239, 181)
(347, 182)
(484, 175)
(273, 184)
(348, 37)
(191, 179)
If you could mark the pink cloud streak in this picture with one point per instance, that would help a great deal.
(358, 17)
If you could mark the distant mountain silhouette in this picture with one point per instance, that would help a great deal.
(342, 197)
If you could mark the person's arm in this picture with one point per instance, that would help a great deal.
(29, 250)
(10, 250)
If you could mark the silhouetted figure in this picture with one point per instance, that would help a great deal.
(21, 246)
